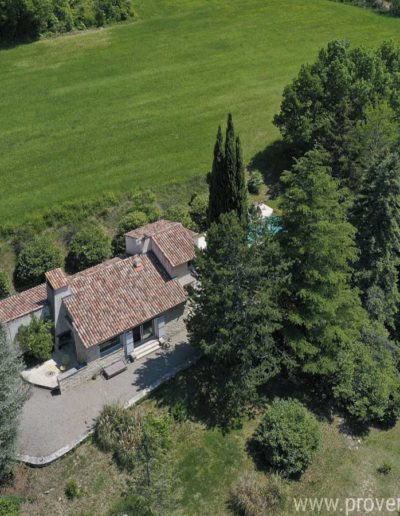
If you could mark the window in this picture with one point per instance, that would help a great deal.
(110, 346)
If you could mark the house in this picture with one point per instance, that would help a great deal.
(120, 308)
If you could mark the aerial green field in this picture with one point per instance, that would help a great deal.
(138, 105)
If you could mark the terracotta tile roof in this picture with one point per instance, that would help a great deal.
(176, 244)
(57, 278)
(118, 297)
(22, 304)
(174, 241)
(151, 229)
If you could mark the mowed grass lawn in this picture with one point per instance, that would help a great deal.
(138, 105)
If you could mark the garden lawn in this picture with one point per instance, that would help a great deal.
(138, 104)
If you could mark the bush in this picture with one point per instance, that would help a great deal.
(132, 505)
(35, 259)
(89, 247)
(367, 383)
(36, 339)
(385, 468)
(198, 211)
(256, 496)
(255, 182)
(72, 489)
(179, 214)
(132, 220)
(113, 422)
(5, 285)
(288, 437)
(10, 506)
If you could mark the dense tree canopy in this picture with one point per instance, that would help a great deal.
(321, 312)
(89, 246)
(5, 285)
(234, 315)
(36, 258)
(327, 98)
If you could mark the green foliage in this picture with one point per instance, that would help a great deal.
(36, 339)
(36, 258)
(255, 182)
(28, 19)
(288, 437)
(367, 383)
(256, 496)
(13, 395)
(10, 506)
(88, 247)
(130, 221)
(132, 505)
(377, 216)
(179, 214)
(140, 442)
(322, 312)
(385, 468)
(198, 211)
(72, 489)
(5, 285)
(318, 109)
(234, 316)
(227, 184)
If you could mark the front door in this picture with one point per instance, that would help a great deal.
(129, 343)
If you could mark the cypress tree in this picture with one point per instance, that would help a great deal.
(216, 203)
(377, 216)
(227, 185)
(322, 312)
(12, 398)
(241, 198)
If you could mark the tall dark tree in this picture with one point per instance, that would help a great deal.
(322, 313)
(327, 98)
(234, 316)
(227, 185)
(377, 216)
(12, 397)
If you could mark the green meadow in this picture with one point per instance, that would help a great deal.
(137, 105)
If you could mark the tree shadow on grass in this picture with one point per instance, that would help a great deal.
(271, 162)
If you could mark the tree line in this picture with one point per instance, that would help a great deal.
(27, 20)
(319, 301)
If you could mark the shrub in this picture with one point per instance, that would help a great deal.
(72, 489)
(89, 247)
(385, 468)
(113, 422)
(367, 383)
(10, 506)
(198, 211)
(36, 339)
(255, 496)
(178, 411)
(288, 436)
(5, 285)
(35, 259)
(132, 220)
(255, 182)
(132, 505)
(179, 214)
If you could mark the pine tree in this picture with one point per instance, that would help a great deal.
(12, 397)
(234, 316)
(377, 216)
(227, 184)
(322, 313)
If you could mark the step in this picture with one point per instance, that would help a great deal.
(146, 349)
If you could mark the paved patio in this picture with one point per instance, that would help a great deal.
(53, 424)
